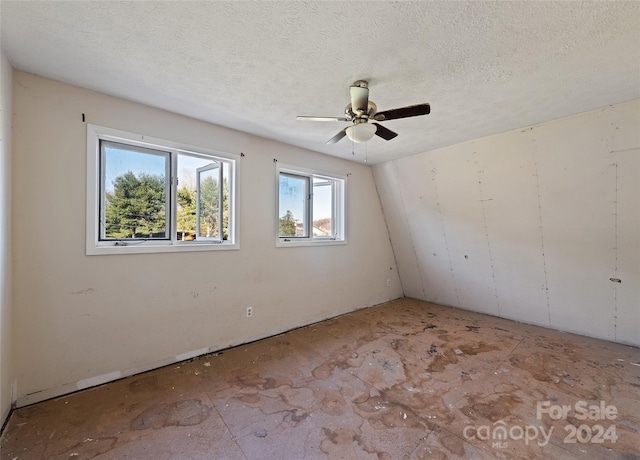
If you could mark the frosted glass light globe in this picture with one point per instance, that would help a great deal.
(361, 132)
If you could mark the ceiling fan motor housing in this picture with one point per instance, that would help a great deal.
(362, 117)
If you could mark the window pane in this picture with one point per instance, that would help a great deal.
(208, 201)
(226, 191)
(188, 167)
(134, 192)
(293, 206)
(323, 224)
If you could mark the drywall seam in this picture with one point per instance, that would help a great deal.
(544, 258)
(83, 384)
(615, 250)
(486, 232)
(444, 232)
(615, 278)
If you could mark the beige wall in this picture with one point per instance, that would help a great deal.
(6, 350)
(528, 225)
(82, 320)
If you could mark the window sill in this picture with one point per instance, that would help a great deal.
(297, 243)
(158, 248)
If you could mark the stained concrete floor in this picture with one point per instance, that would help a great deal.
(406, 379)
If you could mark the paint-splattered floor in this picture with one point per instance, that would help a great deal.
(405, 379)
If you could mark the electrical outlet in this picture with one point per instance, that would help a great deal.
(388, 281)
(249, 312)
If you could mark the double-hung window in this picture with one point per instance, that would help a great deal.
(154, 195)
(311, 207)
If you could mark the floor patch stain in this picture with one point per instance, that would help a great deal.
(89, 449)
(333, 403)
(480, 347)
(492, 409)
(453, 444)
(182, 413)
(149, 383)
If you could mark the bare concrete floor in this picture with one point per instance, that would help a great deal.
(405, 379)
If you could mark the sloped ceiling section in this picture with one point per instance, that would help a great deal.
(485, 67)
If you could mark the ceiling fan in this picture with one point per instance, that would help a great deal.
(364, 115)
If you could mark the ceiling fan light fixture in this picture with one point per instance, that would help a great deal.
(363, 113)
(361, 132)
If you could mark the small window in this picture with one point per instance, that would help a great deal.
(150, 195)
(311, 207)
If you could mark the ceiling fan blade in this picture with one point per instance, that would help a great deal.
(384, 133)
(359, 99)
(337, 137)
(305, 118)
(403, 112)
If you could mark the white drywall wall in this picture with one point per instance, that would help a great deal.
(6, 349)
(82, 320)
(528, 225)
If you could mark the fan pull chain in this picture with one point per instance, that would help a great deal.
(366, 151)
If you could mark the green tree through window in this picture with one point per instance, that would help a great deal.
(208, 210)
(287, 224)
(137, 207)
(186, 214)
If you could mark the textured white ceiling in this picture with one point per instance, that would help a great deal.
(485, 67)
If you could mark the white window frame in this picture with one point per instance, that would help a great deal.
(339, 207)
(219, 167)
(96, 246)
